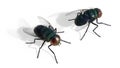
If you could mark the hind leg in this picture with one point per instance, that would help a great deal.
(33, 41)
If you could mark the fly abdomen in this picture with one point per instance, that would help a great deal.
(81, 20)
(44, 32)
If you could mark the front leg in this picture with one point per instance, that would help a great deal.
(101, 23)
(53, 53)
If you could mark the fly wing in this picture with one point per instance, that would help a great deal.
(45, 22)
(29, 31)
(76, 11)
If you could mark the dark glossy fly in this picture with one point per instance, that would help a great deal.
(47, 34)
(87, 16)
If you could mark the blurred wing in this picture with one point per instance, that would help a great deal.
(29, 31)
(76, 11)
(44, 22)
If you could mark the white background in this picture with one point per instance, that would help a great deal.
(91, 52)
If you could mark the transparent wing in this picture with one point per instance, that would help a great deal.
(76, 11)
(45, 22)
(29, 31)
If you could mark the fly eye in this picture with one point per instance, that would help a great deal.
(55, 40)
(99, 13)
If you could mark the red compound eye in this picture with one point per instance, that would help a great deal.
(55, 41)
(99, 13)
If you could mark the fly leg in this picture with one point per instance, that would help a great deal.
(95, 29)
(58, 32)
(39, 49)
(33, 41)
(53, 53)
(85, 32)
(102, 23)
